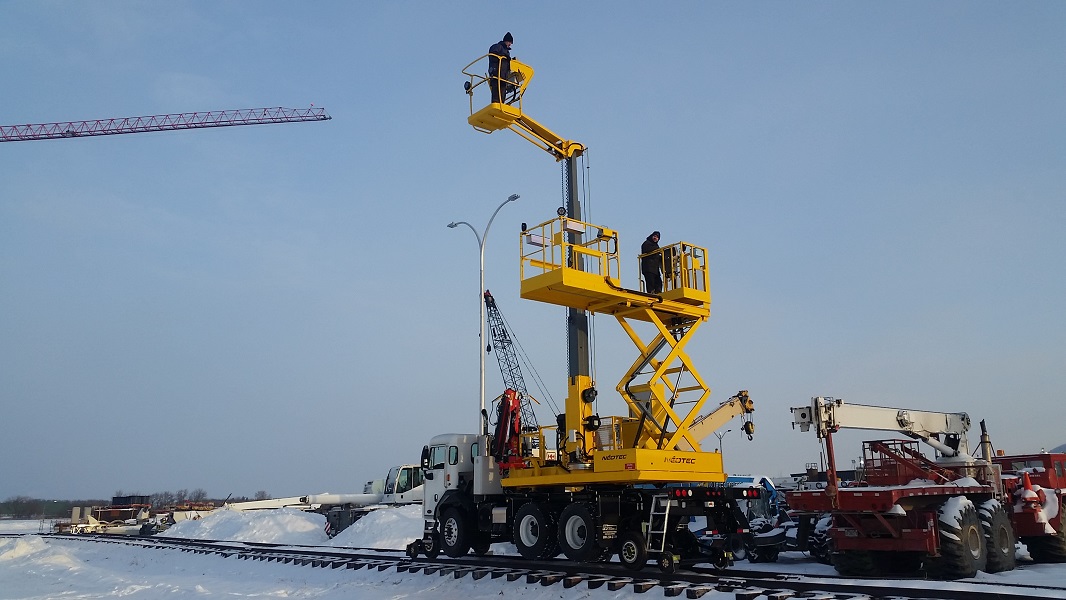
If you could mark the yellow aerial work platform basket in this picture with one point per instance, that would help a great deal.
(572, 263)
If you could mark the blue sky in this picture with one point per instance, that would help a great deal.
(282, 308)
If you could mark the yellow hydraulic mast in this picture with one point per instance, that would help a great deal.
(509, 114)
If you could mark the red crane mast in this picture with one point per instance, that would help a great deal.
(193, 120)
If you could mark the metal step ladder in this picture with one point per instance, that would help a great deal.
(658, 520)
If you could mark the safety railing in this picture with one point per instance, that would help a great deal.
(511, 87)
(547, 247)
(683, 267)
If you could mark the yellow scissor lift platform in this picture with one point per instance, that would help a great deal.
(653, 443)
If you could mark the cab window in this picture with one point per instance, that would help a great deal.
(436, 457)
(390, 481)
(403, 482)
(453, 455)
(473, 450)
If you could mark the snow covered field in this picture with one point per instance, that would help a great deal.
(35, 568)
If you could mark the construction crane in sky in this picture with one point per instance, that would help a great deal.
(171, 122)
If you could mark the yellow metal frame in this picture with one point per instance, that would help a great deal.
(508, 115)
(654, 442)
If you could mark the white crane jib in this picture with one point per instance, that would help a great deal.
(946, 432)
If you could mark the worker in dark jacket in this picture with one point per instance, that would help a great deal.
(652, 266)
(500, 67)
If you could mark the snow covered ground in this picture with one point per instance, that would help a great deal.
(35, 568)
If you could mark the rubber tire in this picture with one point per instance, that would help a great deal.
(579, 536)
(481, 545)
(962, 548)
(1049, 548)
(667, 562)
(999, 537)
(899, 563)
(858, 563)
(431, 546)
(633, 550)
(818, 544)
(455, 533)
(534, 532)
(764, 554)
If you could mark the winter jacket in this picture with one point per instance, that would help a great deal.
(499, 67)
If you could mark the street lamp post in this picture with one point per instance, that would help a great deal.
(481, 239)
(720, 436)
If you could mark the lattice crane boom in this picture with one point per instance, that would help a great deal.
(171, 122)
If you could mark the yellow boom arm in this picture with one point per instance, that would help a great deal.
(508, 114)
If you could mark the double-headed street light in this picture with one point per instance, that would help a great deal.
(482, 415)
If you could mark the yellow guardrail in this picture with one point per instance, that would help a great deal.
(547, 247)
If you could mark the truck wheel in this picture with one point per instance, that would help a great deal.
(1049, 548)
(859, 563)
(767, 554)
(738, 548)
(578, 533)
(999, 537)
(454, 533)
(431, 545)
(632, 550)
(481, 546)
(818, 541)
(962, 545)
(668, 562)
(534, 532)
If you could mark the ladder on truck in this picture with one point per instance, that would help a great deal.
(658, 522)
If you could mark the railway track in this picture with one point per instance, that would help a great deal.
(692, 583)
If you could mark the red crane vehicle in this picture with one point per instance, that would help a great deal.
(953, 515)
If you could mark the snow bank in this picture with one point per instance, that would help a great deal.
(275, 526)
(385, 528)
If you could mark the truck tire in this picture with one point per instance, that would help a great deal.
(632, 550)
(454, 533)
(579, 536)
(481, 545)
(761, 554)
(999, 537)
(818, 543)
(534, 532)
(431, 545)
(859, 563)
(738, 548)
(962, 545)
(1049, 548)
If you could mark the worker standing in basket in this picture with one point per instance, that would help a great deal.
(500, 67)
(651, 264)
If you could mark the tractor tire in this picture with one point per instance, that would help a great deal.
(818, 546)
(455, 533)
(579, 535)
(633, 550)
(899, 563)
(1049, 548)
(999, 537)
(857, 563)
(962, 545)
(534, 532)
